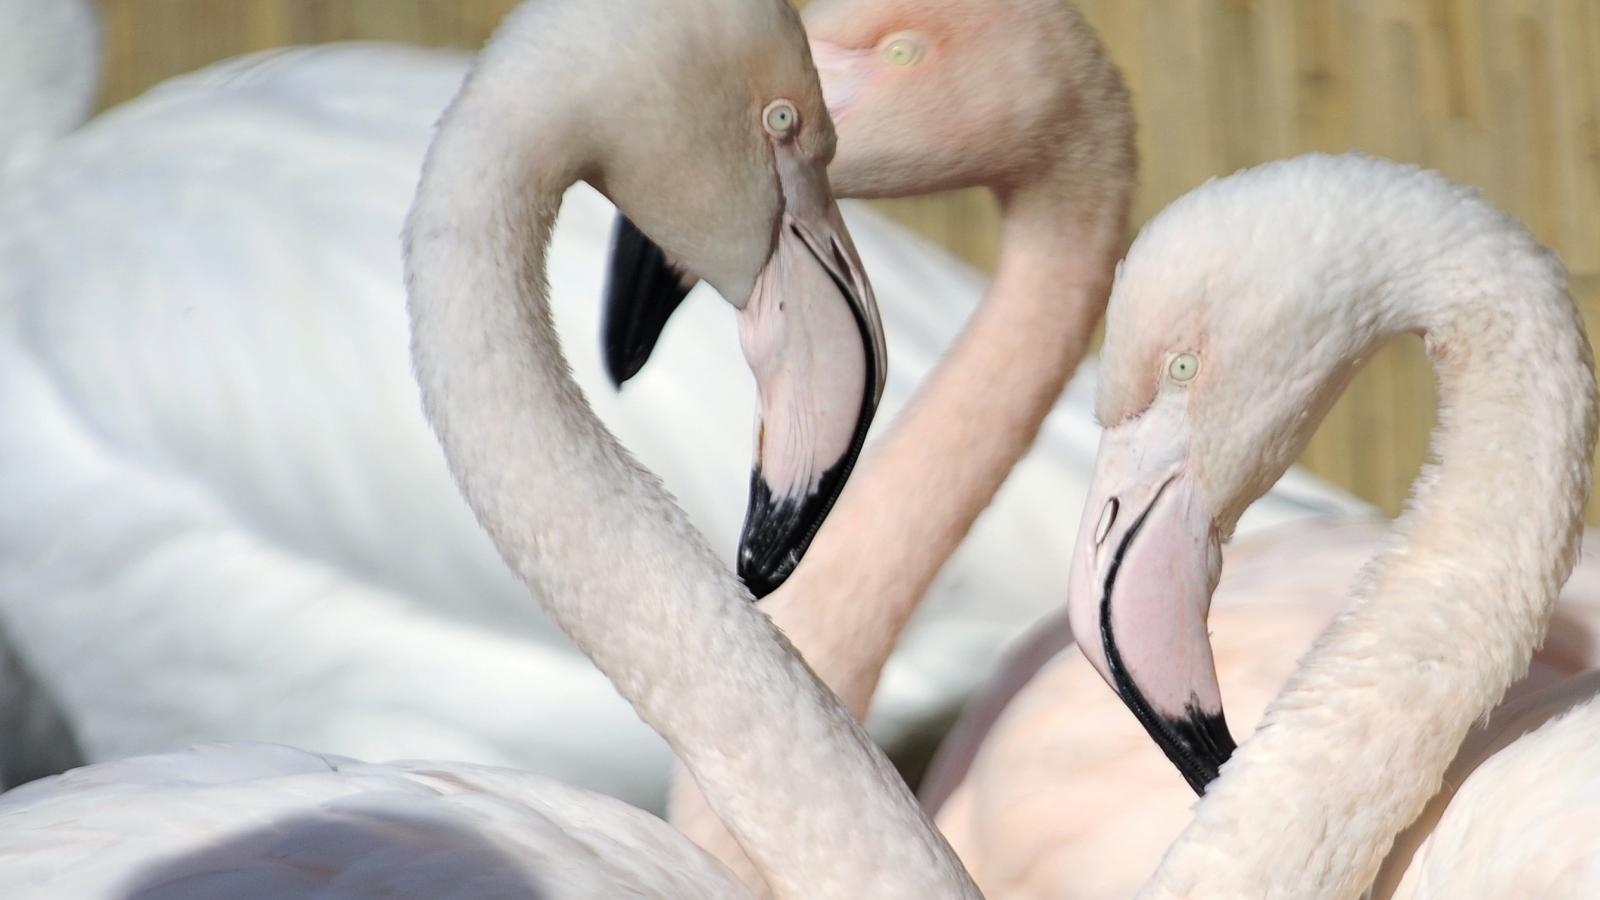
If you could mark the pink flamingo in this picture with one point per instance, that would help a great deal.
(1237, 318)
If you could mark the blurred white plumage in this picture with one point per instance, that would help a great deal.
(225, 516)
(326, 826)
(49, 64)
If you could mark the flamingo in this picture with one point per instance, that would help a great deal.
(1047, 736)
(1029, 106)
(911, 120)
(222, 492)
(1236, 318)
(727, 99)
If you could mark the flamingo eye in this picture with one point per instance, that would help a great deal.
(903, 50)
(781, 118)
(1184, 367)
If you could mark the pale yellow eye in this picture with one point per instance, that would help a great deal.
(902, 51)
(1184, 367)
(781, 117)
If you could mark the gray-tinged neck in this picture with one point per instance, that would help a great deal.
(1449, 616)
(48, 73)
(603, 547)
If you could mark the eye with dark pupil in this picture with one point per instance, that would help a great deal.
(781, 117)
(1184, 367)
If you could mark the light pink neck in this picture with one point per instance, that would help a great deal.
(924, 482)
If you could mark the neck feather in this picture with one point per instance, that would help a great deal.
(924, 482)
(1445, 619)
(609, 555)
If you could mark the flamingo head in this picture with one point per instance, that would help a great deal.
(1228, 336)
(931, 95)
(713, 139)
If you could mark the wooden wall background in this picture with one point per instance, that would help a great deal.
(1501, 94)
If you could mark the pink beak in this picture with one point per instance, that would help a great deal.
(1146, 563)
(813, 337)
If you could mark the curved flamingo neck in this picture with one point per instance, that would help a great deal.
(920, 487)
(1449, 616)
(924, 482)
(611, 558)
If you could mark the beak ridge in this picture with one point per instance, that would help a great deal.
(1146, 564)
(820, 372)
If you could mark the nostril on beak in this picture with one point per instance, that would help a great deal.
(1108, 517)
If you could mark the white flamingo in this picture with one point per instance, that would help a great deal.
(221, 491)
(717, 118)
(1237, 317)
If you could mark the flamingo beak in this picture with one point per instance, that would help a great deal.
(643, 289)
(813, 338)
(1146, 563)
(812, 335)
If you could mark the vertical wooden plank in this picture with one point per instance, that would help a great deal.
(1419, 112)
(1235, 83)
(1454, 89)
(1391, 124)
(1574, 59)
(1323, 97)
(1277, 65)
(1542, 204)
(121, 72)
(1325, 120)
(1177, 120)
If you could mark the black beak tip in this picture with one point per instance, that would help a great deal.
(778, 528)
(1198, 744)
(762, 579)
(768, 547)
(623, 361)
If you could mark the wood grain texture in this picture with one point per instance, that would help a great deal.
(1501, 94)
